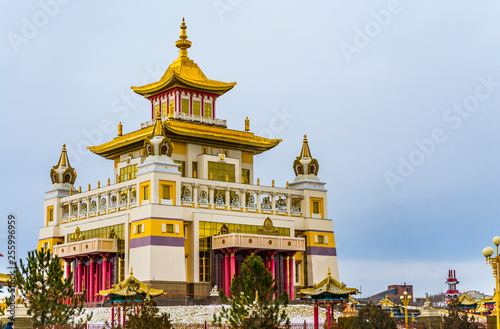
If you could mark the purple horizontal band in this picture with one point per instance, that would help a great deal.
(170, 241)
(321, 251)
(137, 220)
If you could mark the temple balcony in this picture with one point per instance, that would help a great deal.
(195, 192)
(256, 241)
(191, 118)
(211, 194)
(85, 247)
(99, 201)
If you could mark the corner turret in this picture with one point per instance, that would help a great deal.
(306, 169)
(63, 176)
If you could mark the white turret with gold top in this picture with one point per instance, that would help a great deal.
(306, 170)
(63, 176)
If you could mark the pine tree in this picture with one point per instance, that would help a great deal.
(456, 321)
(252, 303)
(48, 296)
(371, 317)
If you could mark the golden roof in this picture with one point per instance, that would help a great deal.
(329, 285)
(466, 300)
(184, 73)
(386, 302)
(123, 288)
(183, 131)
(491, 300)
(4, 278)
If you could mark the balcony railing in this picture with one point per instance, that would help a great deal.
(210, 194)
(93, 246)
(195, 192)
(187, 117)
(255, 241)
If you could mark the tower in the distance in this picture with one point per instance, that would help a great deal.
(452, 282)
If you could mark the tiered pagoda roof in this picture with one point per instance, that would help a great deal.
(184, 73)
(130, 287)
(329, 289)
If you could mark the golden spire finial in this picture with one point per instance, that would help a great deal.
(329, 273)
(247, 124)
(305, 136)
(120, 129)
(131, 271)
(183, 43)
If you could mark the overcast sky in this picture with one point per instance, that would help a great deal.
(399, 99)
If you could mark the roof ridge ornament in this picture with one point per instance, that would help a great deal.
(183, 43)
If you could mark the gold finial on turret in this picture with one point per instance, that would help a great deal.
(79, 189)
(70, 191)
(131, 271)
(98, 184)
(329, 273)
(120, 129)
(247, 124)
(258, 181)
(89, 186)
(272, 183)
(287, 185)
(183, 43)
(108, 181)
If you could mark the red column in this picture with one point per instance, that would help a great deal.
(328, 314)
(79, 277)
(112, 314)
(273, 269)
(104, 273)
(292, 278)
(316, 316)
(233, 264)
(68, 268)
(266, 262)
(227, 284)
(91, 279)
(119, 318)
(285, 275)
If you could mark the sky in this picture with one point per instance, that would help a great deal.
(399, 100)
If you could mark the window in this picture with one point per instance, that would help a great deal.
(170, 228)
(245, 176)
(50, 213)
(138, 229)
(164, 109)
(166, 192)
(196, 108)
(181, 167)
(208, 110)
(172, 105)
(145, 192)
(185, 106)
(320, 239)
(128, 173)
(316, 207)
(194, 168)
(222, 172)
(157, 110)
